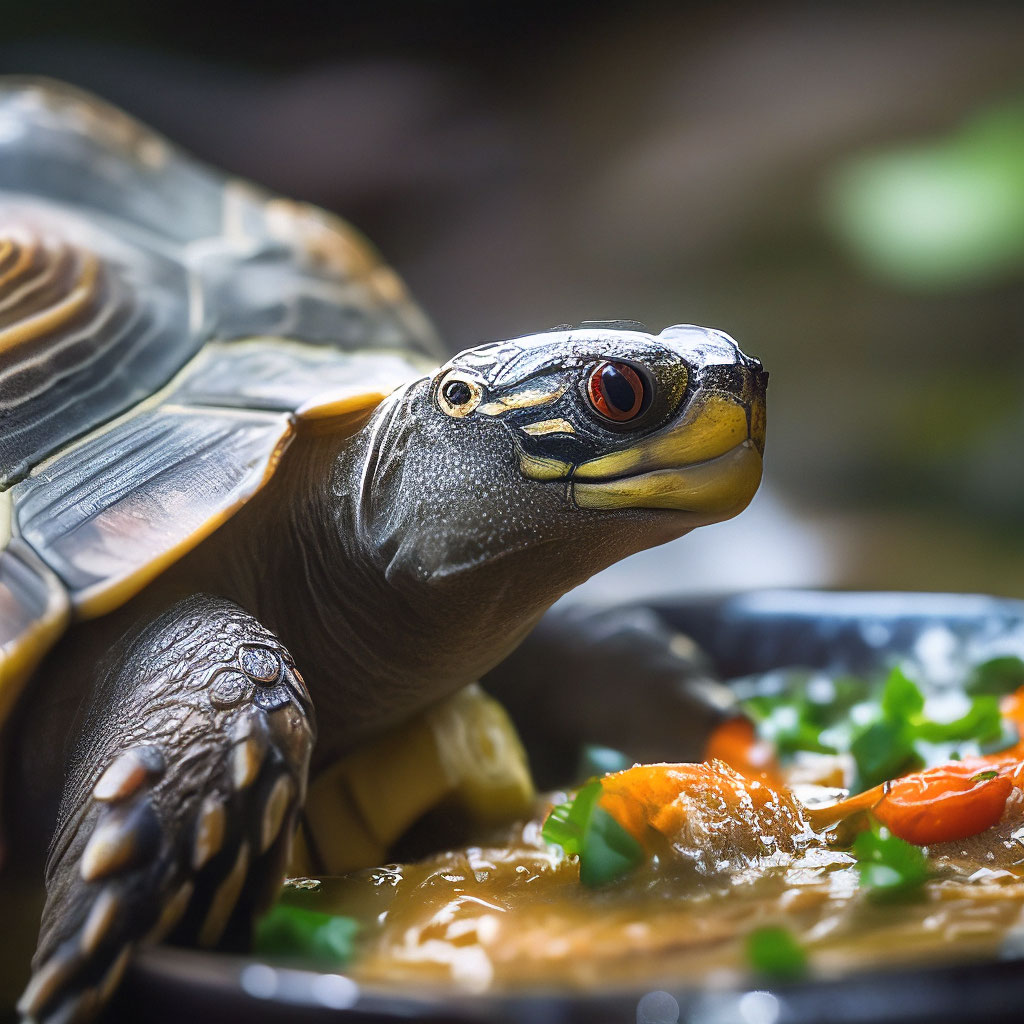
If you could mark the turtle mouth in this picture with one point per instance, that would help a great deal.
(706, 463)
(714, 489)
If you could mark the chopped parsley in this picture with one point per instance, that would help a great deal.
(798, 718)
(775, 952)
(584, 829)
(290, 931)
(890, 869)
(883, 724)
(997, 676)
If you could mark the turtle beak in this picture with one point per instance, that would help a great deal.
(707, 462)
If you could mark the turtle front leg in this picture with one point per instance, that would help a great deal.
(177, 817)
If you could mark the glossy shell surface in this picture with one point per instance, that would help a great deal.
(164, 332)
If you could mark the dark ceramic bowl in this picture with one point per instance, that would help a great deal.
(743, 634)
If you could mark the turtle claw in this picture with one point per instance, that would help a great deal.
(68, 987)
(178, 821)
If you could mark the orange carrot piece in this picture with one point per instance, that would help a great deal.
(639, 795)
(1011, 707)
(736, 743)
(953, 801)
(653, 801)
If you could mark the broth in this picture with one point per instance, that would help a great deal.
(513, 915)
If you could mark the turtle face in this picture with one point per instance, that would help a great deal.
(547, 458)
(482, 494)
(617, 419)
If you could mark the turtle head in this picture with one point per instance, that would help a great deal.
(617, 419)
(535, 462)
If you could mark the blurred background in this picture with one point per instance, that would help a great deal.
(841, 187)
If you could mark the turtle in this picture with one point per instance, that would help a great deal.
(256, 523)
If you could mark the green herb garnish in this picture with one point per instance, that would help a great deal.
(883, 750)
(328, 939)
(890, 868)
(900, 696)
(982, 721)
(775, 951)
(883, 725)
(799, 718)
(897, 741)
(997, 676)
(985, 776)
(584, 829)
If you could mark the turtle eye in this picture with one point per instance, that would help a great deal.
(617, 391)
(458, 396)
(457, 392)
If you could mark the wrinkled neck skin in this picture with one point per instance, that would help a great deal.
(416, 556)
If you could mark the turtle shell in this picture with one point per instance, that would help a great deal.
(164, 333)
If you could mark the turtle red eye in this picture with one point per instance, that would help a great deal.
(616, 391)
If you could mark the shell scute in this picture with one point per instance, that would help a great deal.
(130, 336)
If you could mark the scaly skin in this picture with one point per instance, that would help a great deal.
(388, 569)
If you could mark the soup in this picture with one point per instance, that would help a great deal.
(702, 873)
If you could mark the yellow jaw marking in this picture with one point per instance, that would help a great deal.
(707, 464)
(538, 468)
(521, 400)
(718, 488)
(549, 427)
(711, 428)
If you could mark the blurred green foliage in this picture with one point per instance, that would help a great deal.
(931, 216)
